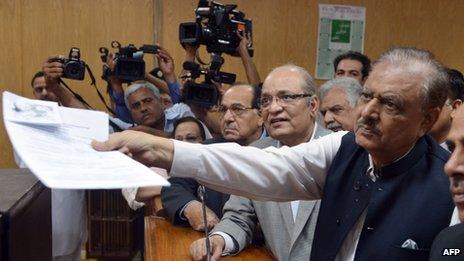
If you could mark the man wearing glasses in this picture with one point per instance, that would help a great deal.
(241, 122)
(289, 108)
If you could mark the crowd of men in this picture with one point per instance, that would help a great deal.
(359, 168)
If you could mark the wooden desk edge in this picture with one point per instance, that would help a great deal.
(252, 253)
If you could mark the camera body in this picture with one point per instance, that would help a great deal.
(216, 27)
(73, 66)
(130, 65)
(202, 94)
(205, 94)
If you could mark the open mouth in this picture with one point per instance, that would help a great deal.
(277, 120)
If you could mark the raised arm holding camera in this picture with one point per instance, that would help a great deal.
(250, 67)
(53, 69)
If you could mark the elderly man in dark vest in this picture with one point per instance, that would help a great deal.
(384, 193)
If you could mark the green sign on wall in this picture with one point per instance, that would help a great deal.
(341, 31)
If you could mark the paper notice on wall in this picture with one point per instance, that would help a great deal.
(341, 29)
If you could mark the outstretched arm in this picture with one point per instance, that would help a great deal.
(271, 174)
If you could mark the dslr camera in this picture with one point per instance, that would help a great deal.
(73, 66)
(216, 26)
(130, 65)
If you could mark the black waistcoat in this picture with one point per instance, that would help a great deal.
(410, 200)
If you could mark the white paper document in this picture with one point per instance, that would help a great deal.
(54, 142)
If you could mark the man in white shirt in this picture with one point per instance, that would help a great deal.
(384, 195)
(68, 206)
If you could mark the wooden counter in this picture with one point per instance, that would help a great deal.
(163, 241)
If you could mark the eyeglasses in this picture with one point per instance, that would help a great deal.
(281, 99)
(235, 109)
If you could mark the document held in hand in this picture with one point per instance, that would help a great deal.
(54, 142)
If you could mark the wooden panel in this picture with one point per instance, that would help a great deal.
(32, 30)
(10, 65)
(284, 31)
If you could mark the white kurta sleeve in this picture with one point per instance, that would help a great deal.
(271, 174)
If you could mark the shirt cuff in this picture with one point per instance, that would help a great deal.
(229, 247)
(181, 212)
(186, 159)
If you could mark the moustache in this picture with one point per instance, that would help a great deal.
(334, 125)
(368, 123)
(457, 182)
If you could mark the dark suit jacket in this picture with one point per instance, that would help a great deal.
(409, 200)
(184, 190)
(450, 237)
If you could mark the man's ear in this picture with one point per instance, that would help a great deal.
(455, 104)
(431, 116)
(314, 104)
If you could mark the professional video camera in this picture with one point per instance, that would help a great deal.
(130, 65)
(216, 27)
(73, 66)
(205, 94)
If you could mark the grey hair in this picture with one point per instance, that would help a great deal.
(351, 87)
(136, 86)
(308, 82)
(415, 61)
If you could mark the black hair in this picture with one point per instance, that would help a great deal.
(37, 75)
(357, 56)
(456, 83)
(190, 119)
(256, 90)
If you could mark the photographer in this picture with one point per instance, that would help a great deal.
(53, 70)
(68, 210)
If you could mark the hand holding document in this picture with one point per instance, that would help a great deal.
(54, 142)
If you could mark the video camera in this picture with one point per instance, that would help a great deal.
(216, 27)
(205, 94)
(130, 65)
(73, 66)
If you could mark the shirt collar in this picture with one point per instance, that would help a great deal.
(312, 136)
(373, 173)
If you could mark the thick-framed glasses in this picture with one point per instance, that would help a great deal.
(281, 99)
(235, 109)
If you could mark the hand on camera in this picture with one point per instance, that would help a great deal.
(53, 70)
(111, 63)
(166, 64)
(198, 248)
(190, 52)
(245, 42)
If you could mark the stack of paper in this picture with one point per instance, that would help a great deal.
(54, 142)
